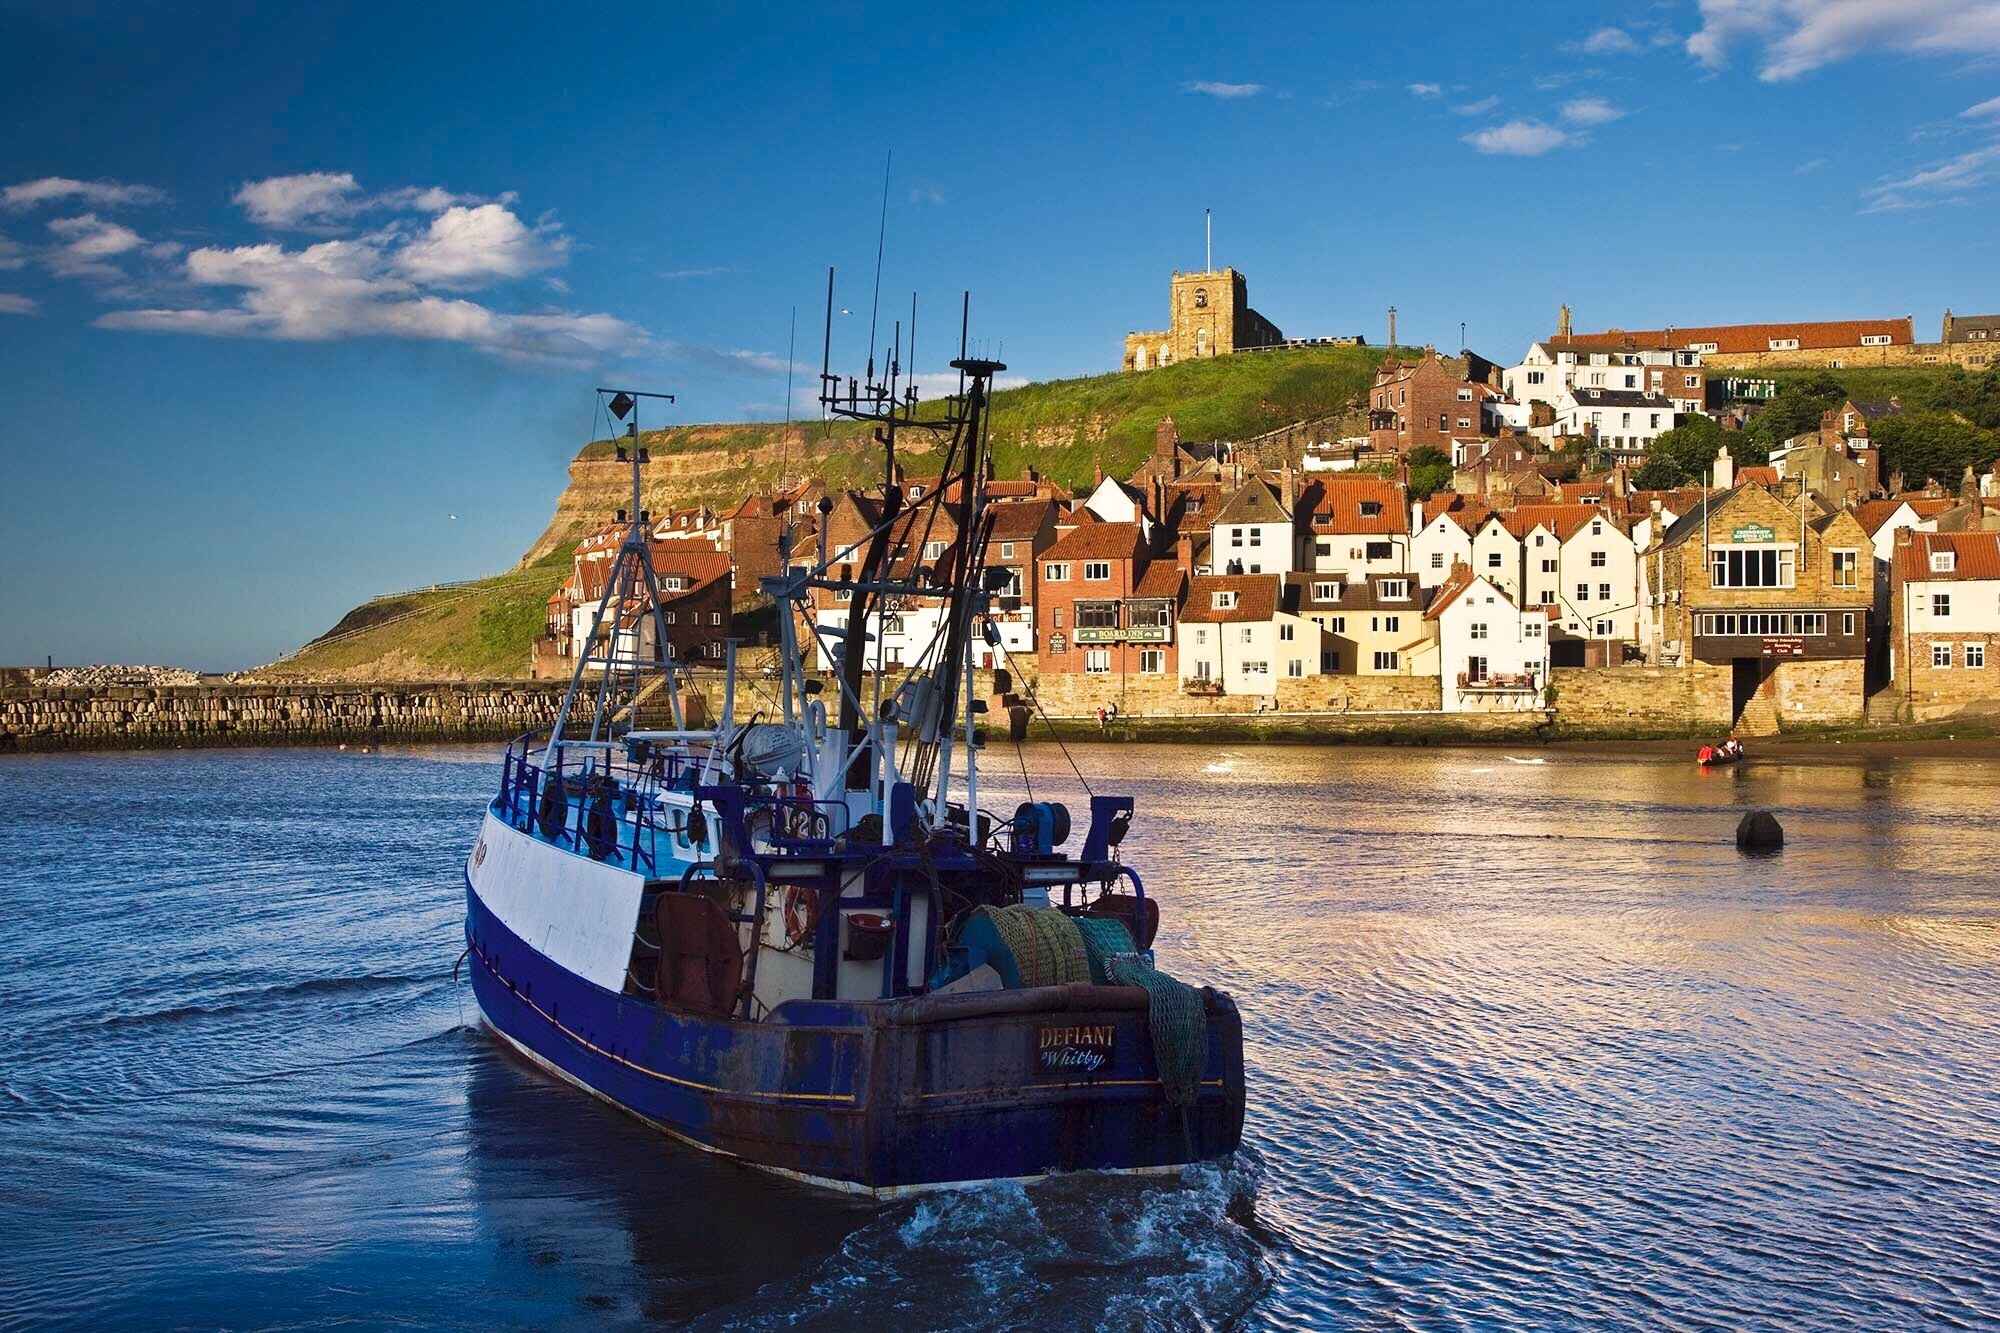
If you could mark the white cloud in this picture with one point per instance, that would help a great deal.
(1426, 90)
(1808, 168)
(98, 194)
(86, 242)
(12, 304)
(1226, 91)
(1946, 182)
(468, 247)
(291, 201)
(1479, 108)
(12, 256)
(1590, 111)
(927, 196)
(1798, 36)
(1610, 42)
(1518, 138)
(359, 288)
(708, 272)
(1990, 108)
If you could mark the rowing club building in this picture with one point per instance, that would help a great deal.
(1767, 593)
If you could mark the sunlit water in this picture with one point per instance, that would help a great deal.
(1530, 1044)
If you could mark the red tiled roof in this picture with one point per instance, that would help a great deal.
(1563, 520)
(1336, 505)
(1460, 578)
(1097, 541)
(1161, 579)
(1763, 476)
(1019, 520)
(1256, 598)
(1758, 337)
(1976, 556)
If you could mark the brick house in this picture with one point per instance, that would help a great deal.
(1771, 589)
(1430, 401)
(1104, 605)
(1944, 619)
(695, 583)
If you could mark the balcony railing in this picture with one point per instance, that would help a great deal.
(1499, 680)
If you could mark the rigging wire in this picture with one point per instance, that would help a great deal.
(881, 239)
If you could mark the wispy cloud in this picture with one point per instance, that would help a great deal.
(12, 256)
(85, 244)
(1478, 108)
(1610, 42)
(1941, 183)
(12, 304)
(62, 189)
(709, 271)
(1426, 90)
(1590, 111)
(326, 200)
(1808, 168)
(1518, 138)
(1798, 36)
(927, 196)
(1986, 110)
(1226, 91)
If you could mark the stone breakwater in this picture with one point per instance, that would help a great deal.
(41, 717)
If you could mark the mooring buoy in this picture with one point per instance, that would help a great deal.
(1760, 831)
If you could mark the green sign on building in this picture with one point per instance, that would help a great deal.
(1753, 532)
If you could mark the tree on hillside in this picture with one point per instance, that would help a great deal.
(1974, 397)
(1430, 470)
(1933, 446)
(1682, 456)
(1795, 410)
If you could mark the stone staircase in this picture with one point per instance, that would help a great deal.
(1885, 708)
(1759, 716)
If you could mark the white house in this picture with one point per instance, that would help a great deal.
(1496, 554)
(1357, 526)
(1439, 544)
(1253, 533)
(1492, 655)
(1550, 369)
(1624, 421)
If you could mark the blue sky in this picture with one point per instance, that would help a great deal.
(302, 304)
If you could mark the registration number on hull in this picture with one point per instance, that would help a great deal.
(1078, 1048)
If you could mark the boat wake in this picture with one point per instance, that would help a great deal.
(1085, 1249)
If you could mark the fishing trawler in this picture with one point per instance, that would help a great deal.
(798, 939)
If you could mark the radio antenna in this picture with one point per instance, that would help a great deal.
(881, 239)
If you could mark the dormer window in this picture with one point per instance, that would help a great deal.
(1371, 508)
(1223, 601)
(1395, 590)
(1943, 562)
(1326, 592)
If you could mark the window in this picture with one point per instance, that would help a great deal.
(1975, 655)
(1256, 668)
(1329, 661)
(1249, 634)
(1539, 537)
(1597, 559)
(1476, 630)
(1847, 624)
(1392, 624)
(1465, 423)
(932, 550)
(1201, 298)
(672, 617)
(1943, 562)
(1225, 600)
(1534, 377)
(1750, 566)
(1941, 655)
(1705, 347)
(1941, 604)
(1690, 381)
(1784, 344)
(1532, 630)
(1631, 381)
(1879, 339)
(1338, 625)
(1603, 592)
(1006, 550)
(1385, 661)
(1395, 590)
(892, 624)
(1846, 569)
(1256, 536)
(1493, 560)
(1381, 551)
(1286, 632)
(1437, 559)
(1655, 420)
(1326, 591)
(674, 583)
(1097, 615)
(1097, 661)
(1444, 419)
(1325, 549)
(1548, 597)
(1056, 572)
(1371, 509)
(1236, 536)
(1057, 613)
(1603, 629)
(1096, 571)
(1465, 395)
(1201, 636)
(1295, 668)
(1583, 592)
(1753, 624)
(1152, 661)
(847, 595)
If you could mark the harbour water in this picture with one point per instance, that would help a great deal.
(1530, 1044)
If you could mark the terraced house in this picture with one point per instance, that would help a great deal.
(1945, 619)
(1105, 605)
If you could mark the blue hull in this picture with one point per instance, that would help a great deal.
(877, 1097)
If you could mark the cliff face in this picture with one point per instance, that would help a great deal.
(1064, 429)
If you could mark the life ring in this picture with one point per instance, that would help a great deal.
(801, 913)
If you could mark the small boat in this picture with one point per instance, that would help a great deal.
(799, 940)
(1727, 752)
